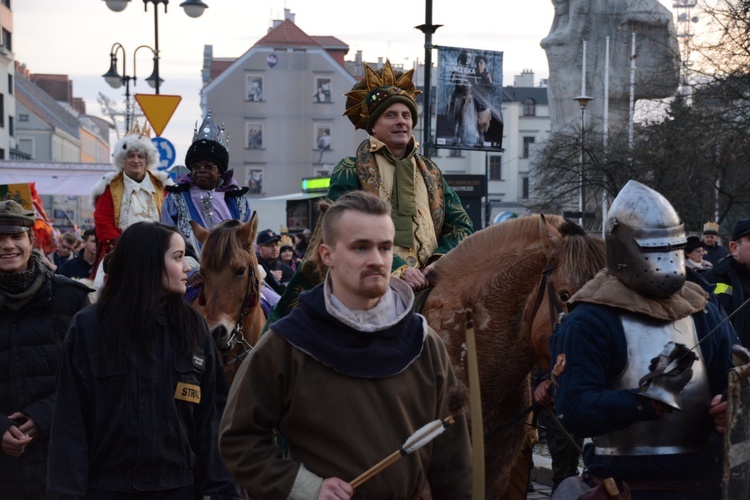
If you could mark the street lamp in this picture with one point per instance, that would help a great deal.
(117, 80)
(582, 101)
(193, 8)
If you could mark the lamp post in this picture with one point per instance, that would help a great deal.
(193, 8)
(117, 80)
(582, 100)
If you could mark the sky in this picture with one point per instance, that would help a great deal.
(75, 37)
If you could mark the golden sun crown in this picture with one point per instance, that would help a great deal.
(144, 131)
(359, 106)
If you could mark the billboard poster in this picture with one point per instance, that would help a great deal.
(469, 98)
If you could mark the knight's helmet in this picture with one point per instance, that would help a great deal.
(645, 241)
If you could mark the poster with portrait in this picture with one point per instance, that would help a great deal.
(469, 99)
(254, 88)
(322, 90)
(255, 180)
(254, 134)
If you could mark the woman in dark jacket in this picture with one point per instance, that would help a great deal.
(140, 385)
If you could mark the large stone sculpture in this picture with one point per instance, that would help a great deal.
(657, 57)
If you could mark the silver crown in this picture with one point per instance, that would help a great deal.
(210, 131)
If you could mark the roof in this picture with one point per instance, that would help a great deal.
(520, 94)
(287, 34)
(219, 65)
(45, 107)
(330, 42)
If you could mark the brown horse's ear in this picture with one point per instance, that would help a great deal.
(200, 233)
(249, 231)
(543, 230)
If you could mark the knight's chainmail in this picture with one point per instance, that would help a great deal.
(16, 289)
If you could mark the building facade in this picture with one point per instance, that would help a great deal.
(281, 103)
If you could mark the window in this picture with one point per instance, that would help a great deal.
(26, 145)
(322, 90)
(2, 110)
(254, 135)
(527, 142)
(525, 188)
(11, 129)
(254, 90)
(322, 140)
(23, 117)
(496, 171)
(455, 153)
(7, 41)
(10, 84)
(255, 180)
(529, 107)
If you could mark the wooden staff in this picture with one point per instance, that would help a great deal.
(420, 438)
(477, 425)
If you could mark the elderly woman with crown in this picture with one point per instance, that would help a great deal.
(134, 193)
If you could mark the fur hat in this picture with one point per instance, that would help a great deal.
(693, 242)
(376, 92)
(209, 144)
(711, 228)
(741, 228)
(137, 139)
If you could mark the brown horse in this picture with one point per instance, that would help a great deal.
(230, 300)
(509, 276)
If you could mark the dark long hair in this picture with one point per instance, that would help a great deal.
(132, 296)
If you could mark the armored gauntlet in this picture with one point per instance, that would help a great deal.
(668, 374)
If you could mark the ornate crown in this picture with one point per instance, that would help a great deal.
(710, 228)
(139, 131)
(374, 89)
(210, 131)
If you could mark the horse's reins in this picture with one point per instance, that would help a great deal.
(237, 335)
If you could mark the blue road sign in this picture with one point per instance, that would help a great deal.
(167, 153)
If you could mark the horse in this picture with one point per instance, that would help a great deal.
(502, 275)
(231, 300)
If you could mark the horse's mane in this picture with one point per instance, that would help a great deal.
(503, 246)
(222, 245)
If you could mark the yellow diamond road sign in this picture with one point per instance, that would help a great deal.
(158, 109)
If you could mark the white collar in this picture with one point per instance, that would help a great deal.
(132, 186)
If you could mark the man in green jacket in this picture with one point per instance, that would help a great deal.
(427, 213)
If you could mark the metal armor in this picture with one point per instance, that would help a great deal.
(645, 241)
(680, 431)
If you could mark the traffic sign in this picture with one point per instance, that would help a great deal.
(158, 109)
(166, 151)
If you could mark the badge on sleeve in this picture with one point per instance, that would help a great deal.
(188, 392)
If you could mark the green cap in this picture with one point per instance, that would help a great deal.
(14, 218)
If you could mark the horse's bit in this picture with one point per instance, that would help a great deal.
(237, 335)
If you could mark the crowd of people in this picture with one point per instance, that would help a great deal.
(126, 398)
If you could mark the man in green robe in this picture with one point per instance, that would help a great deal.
(427, 213)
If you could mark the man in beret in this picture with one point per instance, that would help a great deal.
(208, 194)
(427, 213)
(36, 307)
(714, 251)
(732, 279)
(268, 248)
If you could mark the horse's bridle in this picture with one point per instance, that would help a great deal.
(545, 285)
(251, 295)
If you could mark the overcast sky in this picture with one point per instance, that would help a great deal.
(74, 37)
